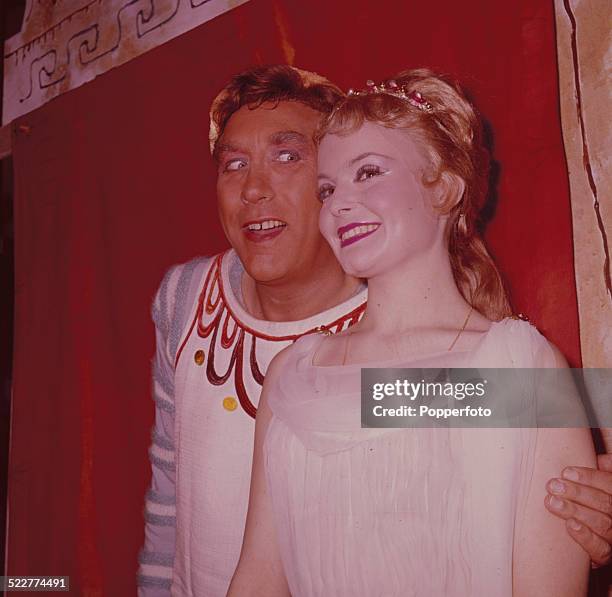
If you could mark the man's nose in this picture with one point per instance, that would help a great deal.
(256, 186)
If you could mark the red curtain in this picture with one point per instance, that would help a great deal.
(114, 184)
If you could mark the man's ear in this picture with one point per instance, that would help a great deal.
(450, 189)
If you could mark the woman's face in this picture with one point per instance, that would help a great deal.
(376, 212)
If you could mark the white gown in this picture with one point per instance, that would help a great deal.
(395, 512)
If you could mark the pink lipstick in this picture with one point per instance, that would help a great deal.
(356, 231)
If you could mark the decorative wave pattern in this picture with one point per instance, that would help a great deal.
(231, 337)
(64, 45)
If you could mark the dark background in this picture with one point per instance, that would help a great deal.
(11, 16)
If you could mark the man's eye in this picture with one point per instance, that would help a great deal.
(369, 171)
(232, 165)
(325, 191)
(287, 156)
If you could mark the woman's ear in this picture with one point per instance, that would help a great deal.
(450, 189)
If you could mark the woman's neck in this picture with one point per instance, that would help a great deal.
(416, 294)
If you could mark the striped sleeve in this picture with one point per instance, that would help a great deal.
(171, 307)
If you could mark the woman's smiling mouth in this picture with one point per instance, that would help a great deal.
(354, 232)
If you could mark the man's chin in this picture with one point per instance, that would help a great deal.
(263, 268)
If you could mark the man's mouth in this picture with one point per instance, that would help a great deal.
(354, 232)
(262, 230)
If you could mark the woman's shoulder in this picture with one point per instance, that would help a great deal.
(522, 344)
(293, 355)
(289, 377)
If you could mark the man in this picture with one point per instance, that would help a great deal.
(219, 322)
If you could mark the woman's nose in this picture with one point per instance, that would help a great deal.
(341, 201)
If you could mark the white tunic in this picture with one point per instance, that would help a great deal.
(220, 359)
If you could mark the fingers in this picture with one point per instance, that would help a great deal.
(581, 532)
(597, 522)
(588, 515)
(595, 546)
(589, 496)
(600, 479)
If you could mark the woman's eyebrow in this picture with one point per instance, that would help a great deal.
(361, 156)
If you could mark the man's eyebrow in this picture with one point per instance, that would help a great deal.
(288, 137)
(225, 147)
(278, 138)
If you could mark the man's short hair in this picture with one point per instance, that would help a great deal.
(275, 83)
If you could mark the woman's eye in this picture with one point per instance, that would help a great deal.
(325, 191)
(288, 156)
(366, 172)
(233, 165)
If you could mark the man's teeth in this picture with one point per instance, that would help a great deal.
(267, 225)
(358, 230)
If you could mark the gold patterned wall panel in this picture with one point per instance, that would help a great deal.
(65, 43)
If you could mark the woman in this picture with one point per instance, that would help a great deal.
(336, 510)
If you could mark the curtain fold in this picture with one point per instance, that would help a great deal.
(114, 184)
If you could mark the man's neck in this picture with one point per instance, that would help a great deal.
(300, 299)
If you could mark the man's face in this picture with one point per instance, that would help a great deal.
(266, 188)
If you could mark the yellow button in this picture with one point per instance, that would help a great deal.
(230, 403)
(198, 357)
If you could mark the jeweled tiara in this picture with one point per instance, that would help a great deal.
(414, 98)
